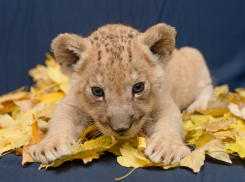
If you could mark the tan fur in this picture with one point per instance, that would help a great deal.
(115, 58)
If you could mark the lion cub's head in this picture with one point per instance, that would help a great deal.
(117, 73)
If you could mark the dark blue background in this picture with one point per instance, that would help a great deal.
(27, 27)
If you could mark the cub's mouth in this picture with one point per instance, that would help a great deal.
(122, 133)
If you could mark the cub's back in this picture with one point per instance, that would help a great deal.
(187, 74)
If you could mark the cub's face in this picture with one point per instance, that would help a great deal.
(117, 74)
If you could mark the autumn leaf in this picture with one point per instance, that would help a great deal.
(221, 125)
(238, 147)
(36, 132)
(26, 158)
(195, 160)
(24, 105)
(204, 138)
(16, 95)
(220, 98)
(39, 73)
(237, 111)
(214, 112)
(89, 150)
(51, 97)
(128, 158)
(200, 120)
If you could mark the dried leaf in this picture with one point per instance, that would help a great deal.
(204, 138)
(89, 150)
(220, 98)
(26, 158)
(214, 112)
(195, 160)
(200, 120)
(238, 147)
(24, 105)
(17, 95)
(237, 111)
(51, 97)
(39, 73)
(36, 132)
(221, 125)
(18, 151)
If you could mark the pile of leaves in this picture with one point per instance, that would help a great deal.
(25, 118)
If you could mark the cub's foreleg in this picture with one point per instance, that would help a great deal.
(165, 143)
(65, 129)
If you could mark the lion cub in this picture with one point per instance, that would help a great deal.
(124, 81)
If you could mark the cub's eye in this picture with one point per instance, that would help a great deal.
(138, 87)
(98, 92)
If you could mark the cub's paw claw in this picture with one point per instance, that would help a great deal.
(166, 150)
(50, 149)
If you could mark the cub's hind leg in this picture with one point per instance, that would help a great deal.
(201, 101)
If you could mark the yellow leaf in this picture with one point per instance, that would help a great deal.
(89, 150)
(36, 132)
(214, 112)
(141, 147)
(221, 125)
(26, 158)
(128, 158)
(238, 147)
(55, 74)
(195, 136)
(220, 98)
(115, 149)
(24, 105)
(221, 90)
(241, 92)
(228, 133)
(190, 134)
(7, 107)
(188, 125)
(200, 120)
(65, 87)
(51, 97)
(237, 111)
(195, 160)
(17, 95)
(6, 121)
(204, 138)
(43, 125)
(39, 73)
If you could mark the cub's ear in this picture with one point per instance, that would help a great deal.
(161, 41)
(67, 49)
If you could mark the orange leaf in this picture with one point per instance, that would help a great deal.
(36, 132)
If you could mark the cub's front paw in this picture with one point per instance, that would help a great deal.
(165, 149)
(51, 148)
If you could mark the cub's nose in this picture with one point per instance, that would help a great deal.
(120, 130)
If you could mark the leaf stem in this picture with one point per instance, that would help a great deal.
(117, 179)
